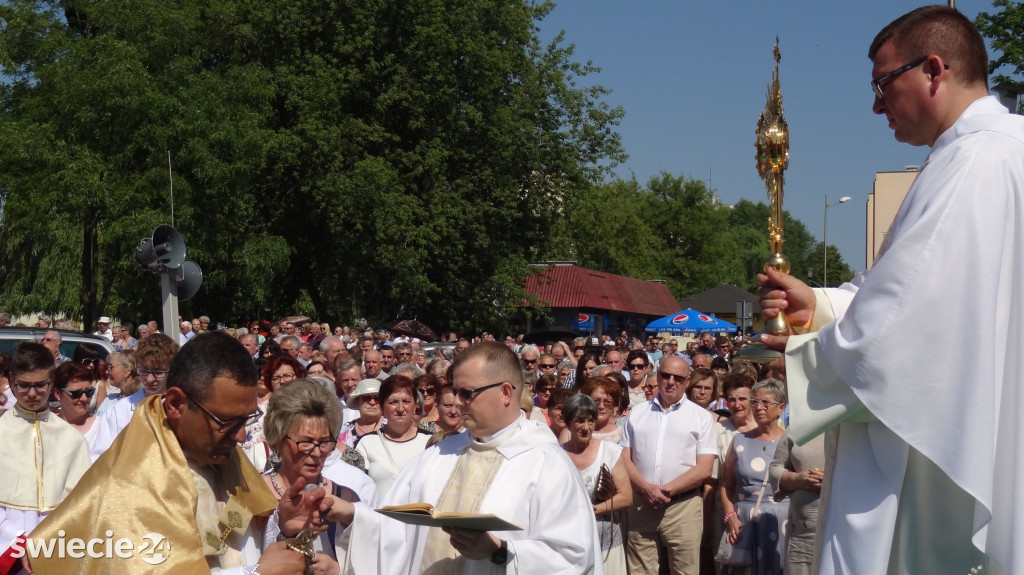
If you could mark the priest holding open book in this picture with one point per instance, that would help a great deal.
(503, 466)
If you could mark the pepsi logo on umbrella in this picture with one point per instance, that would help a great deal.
(708, 319)
(680, 319)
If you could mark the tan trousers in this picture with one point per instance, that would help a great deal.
(665, 540)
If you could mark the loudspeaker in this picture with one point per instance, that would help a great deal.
(166, 247)
(191, 277)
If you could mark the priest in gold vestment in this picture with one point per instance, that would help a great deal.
(177, 472)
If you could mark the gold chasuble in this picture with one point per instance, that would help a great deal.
(143, 485)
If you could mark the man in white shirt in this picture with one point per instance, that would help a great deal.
(933, 489)
(502, 464)
(103, 328)
(669, 450)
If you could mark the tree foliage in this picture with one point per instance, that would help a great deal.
(1006, 31)
(675, 229)
(379, 159)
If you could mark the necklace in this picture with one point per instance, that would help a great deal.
(277, 486)
(373, 427)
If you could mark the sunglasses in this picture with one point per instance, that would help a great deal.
(637, 366)
(467, 395)
(78, 393)
(547, 366)
(670, 376)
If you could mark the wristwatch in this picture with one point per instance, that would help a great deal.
(500, 556)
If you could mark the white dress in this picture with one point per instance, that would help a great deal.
(609, 527)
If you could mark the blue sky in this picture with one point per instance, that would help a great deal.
(692, 77)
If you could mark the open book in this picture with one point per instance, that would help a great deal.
(425, 514)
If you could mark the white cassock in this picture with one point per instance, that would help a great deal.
(112, 421)
(924, 371)
(535, 486)
(43, 459)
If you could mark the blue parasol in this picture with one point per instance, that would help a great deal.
(690, 321)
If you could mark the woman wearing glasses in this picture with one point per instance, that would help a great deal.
(398, 440)
(746, 494)
(366, 399)
(301, 425)
(638, 365)
(74, 387)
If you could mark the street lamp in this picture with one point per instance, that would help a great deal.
(842, 200)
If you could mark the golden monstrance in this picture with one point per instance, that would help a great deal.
(772, 160)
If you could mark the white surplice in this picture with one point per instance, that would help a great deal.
(923, 370)
(44, 457)
(536, 487)
(112, 421)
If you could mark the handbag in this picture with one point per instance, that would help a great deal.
(739, 554)
(604, 488)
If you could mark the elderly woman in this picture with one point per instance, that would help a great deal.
(399, 440)
(580, 414)
(73, 384)
(449, 418)
(301, 425)
(703, 389)
(796, 472)
(281, 369)
(429, 388)
(745, 492)
(365, 398)
(607, 394)
(563, 370)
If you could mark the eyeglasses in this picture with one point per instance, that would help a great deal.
(48, 339)
(638, 366)
(282, 378)
(648, 386)
(157, 373)
(39, 386)
(90, 361)
(529, 361)
(307, 447)
(226, 427)
(546, 366)
(544, 390)
(78, 393)
(369, 398)
(315, 373)
(876, 84)
(603, 401)
(427, 391)
(765, 402)
(670, 376)
(467, 395)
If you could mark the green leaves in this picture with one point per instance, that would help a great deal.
(1005, 29)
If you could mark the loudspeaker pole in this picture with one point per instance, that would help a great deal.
(169, 293)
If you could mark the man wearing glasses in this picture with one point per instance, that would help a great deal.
(669, 449)
(906, 496)
(153, 357)
(178, 472)
(52, 340)
(503, 464)
(43, 460)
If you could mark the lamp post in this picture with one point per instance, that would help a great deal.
(824, 241)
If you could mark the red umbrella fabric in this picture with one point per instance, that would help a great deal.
(413, 328)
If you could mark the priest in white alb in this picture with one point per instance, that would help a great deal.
(916, 367)
(503, 464)
(44, 456)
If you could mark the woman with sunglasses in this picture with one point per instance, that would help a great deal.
(301, 425)
(638, 366)
(73, 384)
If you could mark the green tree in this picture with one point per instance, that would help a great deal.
(1006, 31)
(378, 159)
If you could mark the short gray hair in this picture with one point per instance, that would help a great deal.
(529, 349)
(325, 342)
(578, 405)
(296, 401)
(772, 386)
(402, 345)
(410, 370)
(292, 339)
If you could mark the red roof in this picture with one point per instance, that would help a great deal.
(568, 286)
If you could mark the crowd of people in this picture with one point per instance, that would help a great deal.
(242, 451)
(350, 411)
